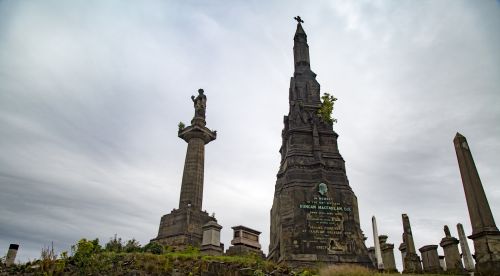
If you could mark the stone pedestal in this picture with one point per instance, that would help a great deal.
(430, 259)
(451, 255)
(11, 254)
(402, 248)
(466, 255)
(371, 254)
(442, 262)
(245, 241)
(210, 244)
(411, 260)
(485, 233)
(387, 250)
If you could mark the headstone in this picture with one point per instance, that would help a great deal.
(210, 244)
(245, 240)
(411, 260)
(402, 248)
(183, 226)
(387, 254)
(314, 216)
(466, 255)
(451, 254)
(485, 233)
(11, 254)
(378, 252)
(430, 259)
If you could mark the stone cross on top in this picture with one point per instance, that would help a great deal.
(299, 20)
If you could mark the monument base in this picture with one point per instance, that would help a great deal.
(487, 263)
(182, 228)
(412, 264)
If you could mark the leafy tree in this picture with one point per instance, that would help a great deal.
(132, 246)
(114, 245)
(326, 108)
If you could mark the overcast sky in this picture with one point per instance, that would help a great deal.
(91, 93)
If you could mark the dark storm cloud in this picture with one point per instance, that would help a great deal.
(91, 93)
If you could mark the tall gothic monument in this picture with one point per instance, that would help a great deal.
(314, 217)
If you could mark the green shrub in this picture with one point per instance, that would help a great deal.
(114, 245)
(154, 248)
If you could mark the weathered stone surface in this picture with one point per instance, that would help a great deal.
(387, 254)
(376, 241)
(245, 240)
(485, 233)
(314, 217)
(210, 244)
(402, 248)
(183, 226)
(411, 260)
(430, 259)
(451, 254)
(11, 254)
(466, 255)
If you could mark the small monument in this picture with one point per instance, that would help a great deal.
(466, 255)
(378, 252)
(451, 254)
(245, 240)
(411, 259)
(430, 259)
(442, 262)
(183, 226)
(402, 248)
(210, 244)
(11, 254)
(387, 254)
(485, 233)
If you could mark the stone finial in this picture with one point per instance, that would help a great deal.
(447, 231)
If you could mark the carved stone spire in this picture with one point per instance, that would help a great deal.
(300, 49)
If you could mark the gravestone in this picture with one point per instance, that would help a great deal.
(245, 240)
(210, 244)
(402, 248)
(387, 254)
(451, 254)
(376, 241)
(411, 260)
(466, 255)
(183, 226)
(314, 216)
(485, 233)
(11, 254)
(430, 259)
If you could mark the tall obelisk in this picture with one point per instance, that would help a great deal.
(183, 226)
(485, 233)
(315, 216)
(376, 244)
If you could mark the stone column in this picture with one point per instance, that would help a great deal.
(387, 254)
(466, 255)
(430, 259)
(11, 254)
(378, 253)
(412, 260)
(485, 233)
(451, 254)
(210, 244)
(402, 248)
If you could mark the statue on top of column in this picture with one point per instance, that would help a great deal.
(200, 104)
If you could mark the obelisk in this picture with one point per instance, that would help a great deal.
(466, 255)
(411, 260)
(485, 233)
(376, 241)
(183, 226)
